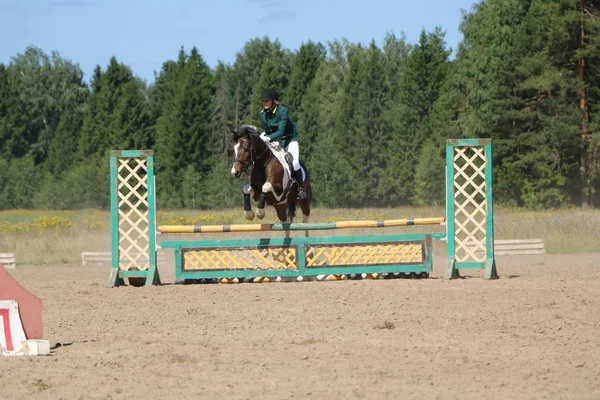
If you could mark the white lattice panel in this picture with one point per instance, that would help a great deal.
(363, 254)
(268, 258)
(470, 204)
(132, 196)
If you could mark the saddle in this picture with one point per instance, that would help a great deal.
(289, 159)
(284, 156)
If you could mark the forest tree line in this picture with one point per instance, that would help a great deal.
(373, 118)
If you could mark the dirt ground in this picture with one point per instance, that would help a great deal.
(532, 334)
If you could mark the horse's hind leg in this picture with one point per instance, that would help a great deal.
(305, 207)
(305, 215)
(305, 204)
(281, 210)
(283, 217)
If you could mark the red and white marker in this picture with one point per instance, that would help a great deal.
(20, 320)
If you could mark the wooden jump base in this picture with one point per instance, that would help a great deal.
(469, 233)
(298, 258)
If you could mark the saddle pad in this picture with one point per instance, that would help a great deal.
(279, 153)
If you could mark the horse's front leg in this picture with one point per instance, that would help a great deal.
(248, 191)
(262, 199)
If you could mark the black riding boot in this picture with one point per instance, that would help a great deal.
(298, 178)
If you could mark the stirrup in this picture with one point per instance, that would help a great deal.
(288, 157)
(301, 192)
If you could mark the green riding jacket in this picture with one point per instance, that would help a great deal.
(278, 126)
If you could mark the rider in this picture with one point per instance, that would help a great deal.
(278, 126)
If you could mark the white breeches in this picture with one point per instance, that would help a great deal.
(294, 150)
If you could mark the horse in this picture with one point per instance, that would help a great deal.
(269, 183)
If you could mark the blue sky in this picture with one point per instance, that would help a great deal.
(145, 33)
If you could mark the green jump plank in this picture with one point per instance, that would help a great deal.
(300, 241)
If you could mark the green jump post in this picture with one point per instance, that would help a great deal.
(133, 218)
(461, 217)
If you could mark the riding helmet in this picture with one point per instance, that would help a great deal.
(269, 94)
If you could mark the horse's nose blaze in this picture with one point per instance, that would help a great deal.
(234, 170)
(242, 154)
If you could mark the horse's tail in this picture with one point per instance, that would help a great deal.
(291, 211)
(307, 184)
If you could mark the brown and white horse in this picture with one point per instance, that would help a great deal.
(267, 184)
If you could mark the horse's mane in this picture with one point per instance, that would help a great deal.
(243, 130)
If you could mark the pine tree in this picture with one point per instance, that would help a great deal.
(222, 188)
(350, 137)
(117, 116)
(20, 183)
(13, 123)
(429, 187)
(332, 177)
(184, 131)
(523, 86)
(587, 57)
(47, 87)
(64, 147)
(395, 54)
(421, 82)
(306, 65)
(274, 73)
(377, 129)
(246, 73)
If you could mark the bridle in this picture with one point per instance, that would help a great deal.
(245, 164)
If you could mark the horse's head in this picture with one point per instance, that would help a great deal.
(243, 149)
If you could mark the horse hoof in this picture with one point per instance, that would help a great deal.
(260, 213)
(249, 215)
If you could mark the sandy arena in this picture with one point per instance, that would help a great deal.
(532, 334)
